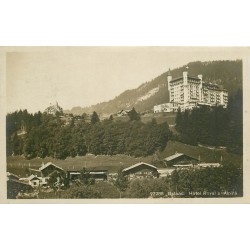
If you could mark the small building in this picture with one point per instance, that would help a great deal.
(73, 175)
(122, 113)
(98, 175)
(166, 107)
(34, 181)
(179, 159)
(141, 170)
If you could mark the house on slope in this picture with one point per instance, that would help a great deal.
(39, 177)
(180, 160)
(122, 113)
(141, 170)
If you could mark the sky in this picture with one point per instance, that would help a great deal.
(82, 76)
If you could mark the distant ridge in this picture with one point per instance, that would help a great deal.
(227, 73)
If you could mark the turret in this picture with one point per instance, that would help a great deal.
(169, 79)
(200, 88)
(185, 76)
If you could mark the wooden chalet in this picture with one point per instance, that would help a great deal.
(179, 159)
(141, 170)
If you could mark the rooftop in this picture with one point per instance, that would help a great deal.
(138, 164)
(176, 155)
(47, 165)
(189, 77)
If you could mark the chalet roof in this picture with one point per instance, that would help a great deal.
(177, 155)
(31, 177)
(47, 165)
(138, 164)
(172, 157)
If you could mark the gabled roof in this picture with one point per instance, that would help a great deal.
(47, 165)
(177, 155)
(138, 164)
(172, 157)
(31, 177)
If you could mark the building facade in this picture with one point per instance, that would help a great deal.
(141, 170)
(188, 92)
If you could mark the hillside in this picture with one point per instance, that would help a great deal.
(19, 165)
(206, 154)
(148, 94)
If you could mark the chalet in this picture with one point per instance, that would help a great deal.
(122, 113)
(73, 175)
(141, 170)
(180, 160)
(39, 177)
(98, 175)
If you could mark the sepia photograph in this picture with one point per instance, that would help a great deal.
(124, 123)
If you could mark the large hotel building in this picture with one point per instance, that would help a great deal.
(187, 92)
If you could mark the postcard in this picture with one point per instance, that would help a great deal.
(124, 125)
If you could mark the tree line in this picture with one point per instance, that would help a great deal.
(48, 135)
(213, 126)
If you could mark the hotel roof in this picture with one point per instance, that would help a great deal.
(189, 77)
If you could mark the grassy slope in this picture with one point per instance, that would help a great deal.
(206, 154)
(18, 164)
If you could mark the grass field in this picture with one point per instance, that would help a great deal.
(206, 154)
(18, 164)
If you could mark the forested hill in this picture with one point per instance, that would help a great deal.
(227, 73)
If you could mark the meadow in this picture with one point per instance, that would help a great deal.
(19, 165)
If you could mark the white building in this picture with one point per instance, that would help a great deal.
(166, 107)
(187, 92)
